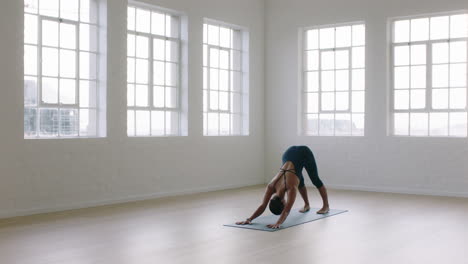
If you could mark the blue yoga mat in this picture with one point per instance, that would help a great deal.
(295, 218)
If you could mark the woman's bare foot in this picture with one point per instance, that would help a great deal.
(305, 209)
(324, 210)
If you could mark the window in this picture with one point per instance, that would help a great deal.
(153, 73)
(61, 87)
(225, 84)
(333, 80)
(429, 76)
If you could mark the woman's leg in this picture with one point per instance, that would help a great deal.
(303, 192)
(311, 168)
(324, 195)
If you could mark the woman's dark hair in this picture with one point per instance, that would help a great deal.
(276, 205)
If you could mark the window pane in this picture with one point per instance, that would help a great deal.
(358, 102)
(401, 124)
(328, 60)
(418, 99)
(358, 79)
(223, 59)
(327, 38)
(50, 33)
(342, 80)
(458, 123)
(67, 36)
(401, 77)
(30, 29)
(312, 60)
(418, 54)
(67, 91)
(359, 35)
(158, 73)
(342, 101)
(312, 81)
(458, 26)
(172, 123)
(213, 35)
(458, 75)
(440, 76)
(67, 63)
(343, 36)
(69, 122)
(157, 123)
(172, 51)
(419, 29)
(49, 8)
(458, 98)
(88, 124)
(130, 70)
(131, 45)
(342, 59)
(358, 57)
(158, 96)
(48, 120)
(158, 49)
(401, 55)
(458, 51)
(440, 52)
(312, 39)
(142, 47)
(357, 125)
(143, 22)
(214, 98)
(130, 122)
(214, 79)
(401, 31)
(130, 95)
(224, 124)
(142, 123)
(88, 65)
(142, 71)
(224, 80)
(30, 91)
(418, 77)
(171, 74)
(171, 97)
(343, 124)
(88, 11)
(30, 122)
(214, 58)
(213, 123)
(131, 18)
(50, 90)
(311, 125)
(225, 37)
(236, 103)
(312, 103)
(141, 95)
(328, 101)
(31, 6)
(440, 27)
(419, 124)
(172, 26)
(440, 99)
(69, 9)
(326, 124)
(328, 81)
(50, 62)
(30, 60)
(401, 100)
(158, 24)
(438, 124)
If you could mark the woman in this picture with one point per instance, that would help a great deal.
(288, 180)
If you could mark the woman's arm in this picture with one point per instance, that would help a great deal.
(266, 198)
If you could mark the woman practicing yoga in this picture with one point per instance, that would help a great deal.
(288, 180)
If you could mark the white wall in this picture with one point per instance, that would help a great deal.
(48, 175)
(376, 161)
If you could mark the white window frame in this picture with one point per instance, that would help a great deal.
(428, 109)
(243, 129)
(302, 106)
(179, 80)
(40, 104)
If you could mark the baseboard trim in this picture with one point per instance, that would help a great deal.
(397, 190)
(133, 198)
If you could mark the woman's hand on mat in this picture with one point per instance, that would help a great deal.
(274, 226)
(246, 222)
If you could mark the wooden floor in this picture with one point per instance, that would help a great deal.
(379, 228)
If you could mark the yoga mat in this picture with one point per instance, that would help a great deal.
(295, 218)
